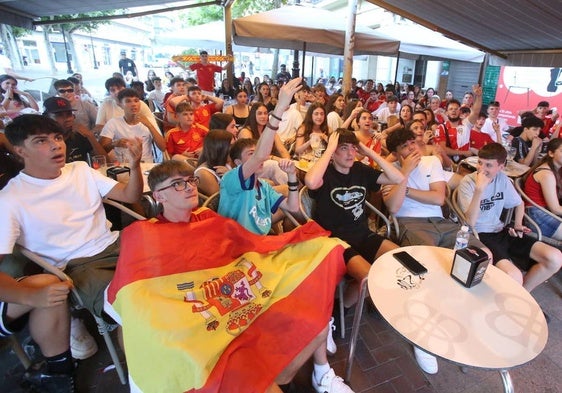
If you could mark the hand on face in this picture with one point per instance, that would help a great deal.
(411, 161)
(287, 92)
(482, 180)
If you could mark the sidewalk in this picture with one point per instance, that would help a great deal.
(384, 362)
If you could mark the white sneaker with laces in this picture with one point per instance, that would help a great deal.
(427, 362)
(331, 383)
(331, 347)
(82, 344)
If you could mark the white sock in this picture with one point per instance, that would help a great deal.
(320, 370)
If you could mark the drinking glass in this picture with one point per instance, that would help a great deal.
(99, 163)
(511, 152)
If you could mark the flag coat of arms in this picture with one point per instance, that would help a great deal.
(210, 307)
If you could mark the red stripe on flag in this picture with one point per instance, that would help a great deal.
(192, 246)
(254, 359)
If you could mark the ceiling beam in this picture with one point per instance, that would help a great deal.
(431, 26)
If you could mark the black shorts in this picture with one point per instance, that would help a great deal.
(7, 328)
(368, 245)
(515, 249)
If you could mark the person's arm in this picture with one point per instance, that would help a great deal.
(156, 134)
(300, 144)
(536, 144)
(390, 174)
(393, 197)
(476, 105)
(267, 138)
(353, 115)
(219, 102)
(17, 292)
(547, 182)
(472, 212)
(314, 178)
(97, 148)
(497, 130)
(132, 190)
(225, 67)
(280, 148)
(292, 201)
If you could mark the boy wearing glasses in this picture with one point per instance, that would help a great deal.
(85, 112)
(174, 187)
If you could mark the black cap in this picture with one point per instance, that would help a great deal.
(56, 105)
(283, 66)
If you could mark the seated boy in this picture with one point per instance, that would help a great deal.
(119, 130)
(482, 197)
(55, 209)
(243, 195)
(185, 140)
(528, 145)
(245, 336)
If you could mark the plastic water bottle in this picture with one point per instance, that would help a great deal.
(462, 238)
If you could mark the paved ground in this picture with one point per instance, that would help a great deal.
(384, 362)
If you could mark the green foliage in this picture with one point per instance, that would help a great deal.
(88, 27)
(18, 32)
(206, 14)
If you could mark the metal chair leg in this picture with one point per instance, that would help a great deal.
(355, 328)
(342, 308)
(104, 331)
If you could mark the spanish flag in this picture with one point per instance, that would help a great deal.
(210, 307)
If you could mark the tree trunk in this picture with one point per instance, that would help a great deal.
(10, 47)
(49, 50)
(72, 49)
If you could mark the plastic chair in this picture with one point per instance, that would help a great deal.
(104, 328)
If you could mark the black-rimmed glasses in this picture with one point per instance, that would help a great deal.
(180, 185)
(62, 91)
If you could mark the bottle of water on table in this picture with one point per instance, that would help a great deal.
(462, 238)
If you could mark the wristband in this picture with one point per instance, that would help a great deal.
(293, 189)
(293, 183)
(275, 116)
(268, 125)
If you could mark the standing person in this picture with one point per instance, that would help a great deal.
(482, 197)
(206, 73)
(283, 76)
(126, 65)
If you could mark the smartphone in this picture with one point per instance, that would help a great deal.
(410, 263)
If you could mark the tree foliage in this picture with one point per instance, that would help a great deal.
(206, 14)
(88, 27)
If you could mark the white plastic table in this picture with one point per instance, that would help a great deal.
(494, 325)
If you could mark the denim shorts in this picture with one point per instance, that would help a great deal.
(547, 223)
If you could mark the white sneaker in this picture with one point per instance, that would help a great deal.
(427, 362)
(82, 344)
(331, 383)
(331, 347)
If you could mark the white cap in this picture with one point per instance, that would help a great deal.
(464, 228)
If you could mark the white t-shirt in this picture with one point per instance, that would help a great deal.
(290, 122)
(428, 171)
(334, 121)
(109, 110)
(489, 129)
(117, 128)
(59, 219)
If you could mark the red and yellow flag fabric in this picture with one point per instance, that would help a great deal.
(211, 307)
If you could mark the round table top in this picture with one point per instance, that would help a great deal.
(494, 325)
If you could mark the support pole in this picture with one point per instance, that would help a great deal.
(349, 46)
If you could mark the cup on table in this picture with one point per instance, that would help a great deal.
(99, 163)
